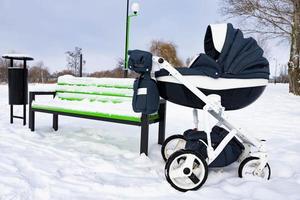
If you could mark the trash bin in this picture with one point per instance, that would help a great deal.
(17, 84)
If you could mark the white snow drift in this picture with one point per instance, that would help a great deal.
(89, 159)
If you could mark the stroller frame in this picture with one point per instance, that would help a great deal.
(214, 108)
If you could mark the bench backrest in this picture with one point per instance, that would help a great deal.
(115, 90)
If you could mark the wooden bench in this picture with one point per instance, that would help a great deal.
(105, 99)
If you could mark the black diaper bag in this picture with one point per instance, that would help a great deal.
(146, 95)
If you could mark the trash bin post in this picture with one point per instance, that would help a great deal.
(25, 83)
(17, 84)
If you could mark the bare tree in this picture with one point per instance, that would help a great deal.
(283, 75)
(74, 60)
(167, 50)
(273, 19)
(57, 74)
(38, 73)
(188, 61)
(3, 71)
(117, 72)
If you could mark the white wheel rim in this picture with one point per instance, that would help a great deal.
(177, 175)
(174, 145)
(250, 167)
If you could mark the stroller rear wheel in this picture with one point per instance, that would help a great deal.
(172, 144)
(248, 167)
(186, 170)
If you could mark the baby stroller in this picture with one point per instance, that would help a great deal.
(231, 75)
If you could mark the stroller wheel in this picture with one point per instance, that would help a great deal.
(186, 170)
(248, 166)
(172, 144)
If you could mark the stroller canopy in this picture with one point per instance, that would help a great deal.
(228, 55)
(233, 55)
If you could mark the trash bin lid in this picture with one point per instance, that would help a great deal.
(17, 56)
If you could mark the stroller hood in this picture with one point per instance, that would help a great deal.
(236, 56)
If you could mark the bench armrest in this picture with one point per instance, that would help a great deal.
(32, 94)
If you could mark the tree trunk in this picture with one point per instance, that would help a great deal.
(294, 68)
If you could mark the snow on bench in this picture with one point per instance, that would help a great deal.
(103, 97)
(107, 99)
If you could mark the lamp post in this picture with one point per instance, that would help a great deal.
(135, 9)
(80, 65)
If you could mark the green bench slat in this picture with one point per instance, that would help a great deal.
(92, 97)
(95, 114)
(98, 85)
(95, 93)
(91, 100)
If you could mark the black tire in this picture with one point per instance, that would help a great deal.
(178, 154)
(246, 161)
(164, 145)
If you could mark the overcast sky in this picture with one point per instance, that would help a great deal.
(46, 29)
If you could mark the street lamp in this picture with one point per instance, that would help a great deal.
(135, 9)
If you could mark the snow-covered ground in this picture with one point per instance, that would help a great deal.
(89, 159)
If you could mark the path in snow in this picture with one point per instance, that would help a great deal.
(89, 159)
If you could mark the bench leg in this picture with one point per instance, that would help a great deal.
(31, 120)
(55, 122)
(11, 114)
(162, 123)
(31, 113)
(144, 134)
(24, 114)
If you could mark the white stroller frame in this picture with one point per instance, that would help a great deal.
(214, 108)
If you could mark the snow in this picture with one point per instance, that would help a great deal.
(95, 97)
(44, 88)
(90, 86)
(88, 159)
(69, 79)
(87, 88)
(122, 108)
(17, 56)
(95, 89)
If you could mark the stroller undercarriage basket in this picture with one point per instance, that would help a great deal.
(197, 141)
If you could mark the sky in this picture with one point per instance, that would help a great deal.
(46, 29)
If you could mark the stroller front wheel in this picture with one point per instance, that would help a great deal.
(171, 145)
(248, 167)
(186, 170)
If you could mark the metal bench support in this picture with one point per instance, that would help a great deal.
(55, 122)
(162, 122)
(144, 124)
(144, 134)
